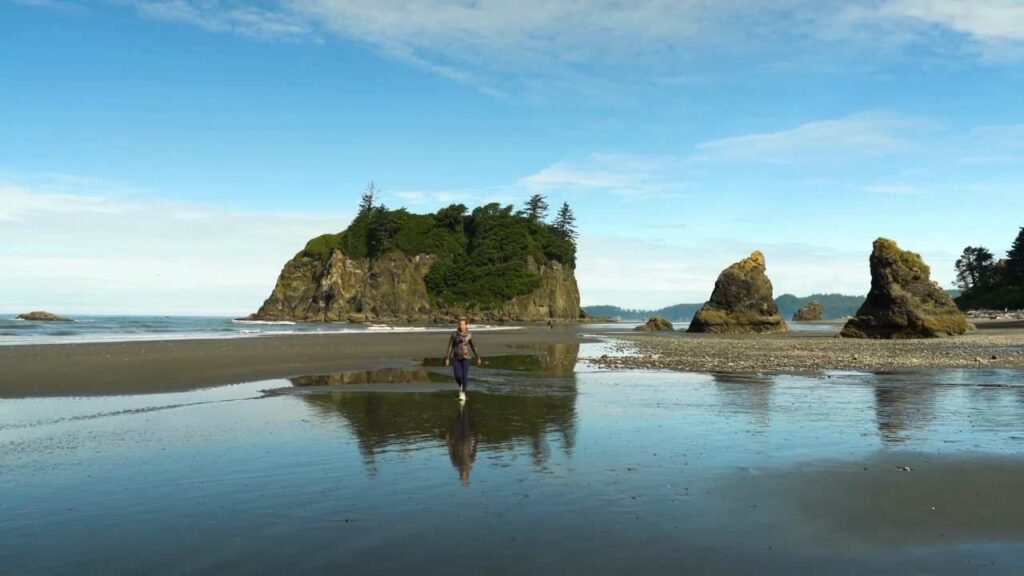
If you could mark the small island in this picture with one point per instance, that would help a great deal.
(42, 316)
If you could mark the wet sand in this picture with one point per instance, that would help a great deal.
(178, 365)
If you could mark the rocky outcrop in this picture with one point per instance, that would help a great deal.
(392, 288)
(904, 302)
(557, 298)
(41, 316)
(741, 302)
(655, 324)
(810, 312)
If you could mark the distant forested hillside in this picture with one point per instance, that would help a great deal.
(836, 306)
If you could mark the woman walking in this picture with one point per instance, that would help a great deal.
(460, 344)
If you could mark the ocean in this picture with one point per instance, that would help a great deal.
(140, 328)
(147, 328)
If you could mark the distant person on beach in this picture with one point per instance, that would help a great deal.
(460, 344)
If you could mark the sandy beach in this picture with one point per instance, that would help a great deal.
(176, 365)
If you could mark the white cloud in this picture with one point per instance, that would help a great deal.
(230, 16)
(627, 175)
(17, 203)
(983, 20)
(495, 45)
(866, 132)
(140, 253)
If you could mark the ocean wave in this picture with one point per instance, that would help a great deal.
(282, 322)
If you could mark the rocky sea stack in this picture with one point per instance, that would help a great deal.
(40, 316)
(741, 302)
(493, 264)
(904, 302)
(810, 312)
(655, 324)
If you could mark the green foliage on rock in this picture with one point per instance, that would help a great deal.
(484, 258)
(903, 301)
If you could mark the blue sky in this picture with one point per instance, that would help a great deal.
(169, 156)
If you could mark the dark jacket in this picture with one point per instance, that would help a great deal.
(459, 346)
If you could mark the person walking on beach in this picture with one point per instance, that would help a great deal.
(460, 344)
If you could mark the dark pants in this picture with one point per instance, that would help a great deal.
(461, 368)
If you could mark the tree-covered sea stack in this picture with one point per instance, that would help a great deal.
(904, 302)
(493, 263)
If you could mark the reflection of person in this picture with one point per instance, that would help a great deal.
(459, 346)
(462, 445)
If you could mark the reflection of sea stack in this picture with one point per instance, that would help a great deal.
(742, 301)
(904, 302)
(810, 312)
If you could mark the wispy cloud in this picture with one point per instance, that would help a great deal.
(139, 252)
(866, 132)
(626, 175)
(498, 46)
(996, 25)
(274, 22)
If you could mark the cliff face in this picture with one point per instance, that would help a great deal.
(392, 288)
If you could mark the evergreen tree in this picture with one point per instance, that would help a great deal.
(1015, 260)
(536, 208)
(565, 223)
(369, 196)
(975, 268)
(382, 228)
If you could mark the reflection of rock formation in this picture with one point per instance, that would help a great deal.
(746, 393)
(462, 442)
(524, 423)
(901, 410)
(382, 376)
(543, 360)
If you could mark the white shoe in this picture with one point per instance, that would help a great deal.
(462, 396)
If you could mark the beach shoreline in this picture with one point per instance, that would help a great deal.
(147, 367)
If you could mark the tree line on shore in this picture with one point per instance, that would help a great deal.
(990, 282)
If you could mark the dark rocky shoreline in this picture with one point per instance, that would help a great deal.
(802, 353)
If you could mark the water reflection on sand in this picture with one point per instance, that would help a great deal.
(550, 467)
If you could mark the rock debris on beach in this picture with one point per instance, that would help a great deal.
(745, 354)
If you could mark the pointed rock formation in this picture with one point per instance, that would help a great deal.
(904, 302)
(655, 324)
(742, 301)
(810, 312)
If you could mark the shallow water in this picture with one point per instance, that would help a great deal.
(551, 467)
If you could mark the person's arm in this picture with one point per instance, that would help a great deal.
(448, 350)
(475, 353)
